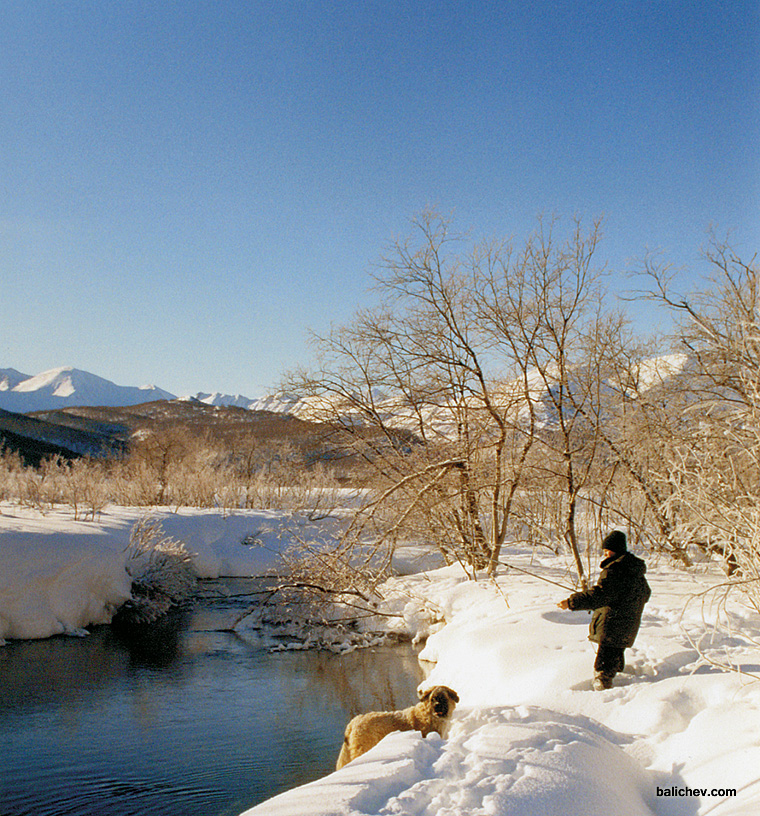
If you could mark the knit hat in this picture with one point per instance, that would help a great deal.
(615, 542)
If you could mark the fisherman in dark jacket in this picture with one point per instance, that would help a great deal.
(618, 601)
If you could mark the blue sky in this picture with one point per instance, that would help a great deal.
(187, 187)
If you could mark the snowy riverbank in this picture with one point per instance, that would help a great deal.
(58, 575)
(529, 737)
(676, 736)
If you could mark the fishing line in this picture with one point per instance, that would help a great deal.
(540, 577)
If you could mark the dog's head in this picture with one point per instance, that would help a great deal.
(441, 699)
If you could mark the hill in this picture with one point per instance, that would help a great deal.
(35, 438)
(222, 427)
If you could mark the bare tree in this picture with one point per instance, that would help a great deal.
(441, 388)
(713, 460)
(551, 299)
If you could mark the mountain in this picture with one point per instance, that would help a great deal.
(10, 378)
(68, 387)
(223, 400)
(281, 403)
(442, 417)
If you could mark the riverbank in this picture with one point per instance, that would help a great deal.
(183, 717)
(676, 736)
(58, 576)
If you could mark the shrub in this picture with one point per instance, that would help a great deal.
(162, 573)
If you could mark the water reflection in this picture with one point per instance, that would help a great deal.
(196, 719)
(359, 682)
(62, 669)
(158, 645)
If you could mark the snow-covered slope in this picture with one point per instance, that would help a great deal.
(66, 387)
(10, 378)
(281, 403)
(58, 575)
(217, 398)
(442, 418)
(675, 736)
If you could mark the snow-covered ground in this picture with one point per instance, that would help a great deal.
(530, 737)
(58, 575)
(677, 736)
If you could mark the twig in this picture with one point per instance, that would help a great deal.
(499, 590)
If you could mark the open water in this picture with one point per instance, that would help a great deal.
(189, 721)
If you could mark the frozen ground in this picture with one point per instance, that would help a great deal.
(677, 736)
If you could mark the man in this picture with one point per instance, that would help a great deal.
(618, 601)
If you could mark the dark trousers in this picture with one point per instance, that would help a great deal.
(609, 660)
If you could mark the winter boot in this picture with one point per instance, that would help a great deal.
(602, 681)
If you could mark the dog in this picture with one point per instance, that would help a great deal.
(432, 713)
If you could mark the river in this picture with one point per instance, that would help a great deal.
(189, 720)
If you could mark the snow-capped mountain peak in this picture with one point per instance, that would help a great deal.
(67, 386)
(60, 382)
(218, 399)
(10, 378)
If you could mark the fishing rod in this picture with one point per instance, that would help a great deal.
(540, 577)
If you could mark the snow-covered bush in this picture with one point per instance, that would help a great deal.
(325, 594)
(161, 570)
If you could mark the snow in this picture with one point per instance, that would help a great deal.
(657, 370)
(281, 403)
(67, 386)
(219, 399)
(529, 737)
(442, 418)
(58, 575)
(10, 378)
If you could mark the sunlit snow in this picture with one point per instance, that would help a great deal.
(530, 737)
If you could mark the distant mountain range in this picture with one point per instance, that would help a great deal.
(69, 412)
(69, 387)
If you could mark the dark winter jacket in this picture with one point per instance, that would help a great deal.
(618, 600)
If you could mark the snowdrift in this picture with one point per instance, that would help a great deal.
(58, 576)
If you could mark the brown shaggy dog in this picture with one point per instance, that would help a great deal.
(432, 713)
